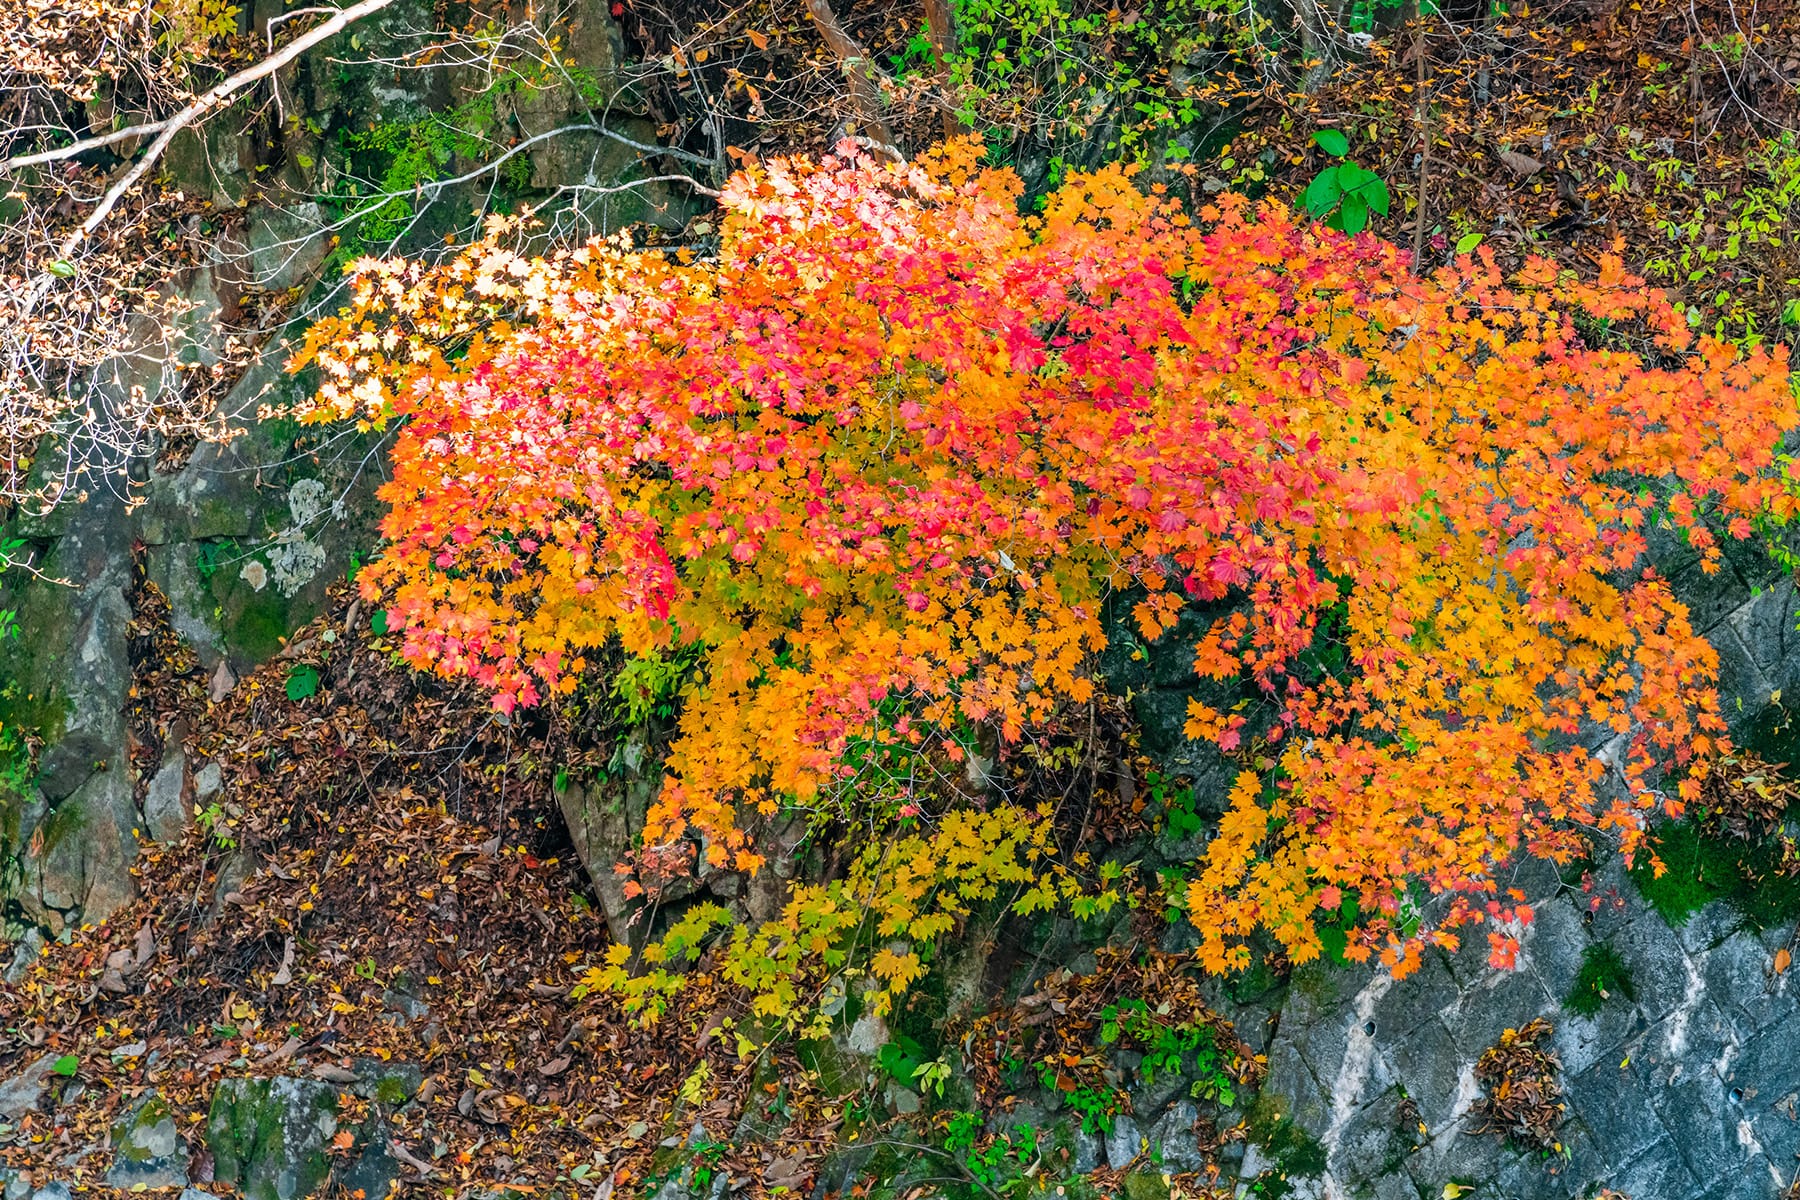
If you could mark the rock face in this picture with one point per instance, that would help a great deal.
(1685, 1090)
(269, 1137)
(19, 1094)
(244, 538)
(603, 816)
(147, 1149)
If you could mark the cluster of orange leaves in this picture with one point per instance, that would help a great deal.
(896, 441)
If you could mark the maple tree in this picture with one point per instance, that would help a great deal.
(884, 455)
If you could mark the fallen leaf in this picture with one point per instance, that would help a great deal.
(284, 976)
(1782, 960)
(1522, 165)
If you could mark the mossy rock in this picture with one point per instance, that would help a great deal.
(147, 1148)
(391, 1083)
(268, 1137)
(1141, 1185)
(1700, 868)
(34, 696)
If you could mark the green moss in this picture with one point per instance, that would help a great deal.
(1700, 869)
(1297, 1153)
(1603, 975)
(1774, 736)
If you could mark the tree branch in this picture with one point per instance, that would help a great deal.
(208, 100)
(940, 25)
(860, 70)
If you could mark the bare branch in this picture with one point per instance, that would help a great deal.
(204, 103)
(212, 98)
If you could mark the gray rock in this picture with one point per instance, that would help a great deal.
(1616, 1105)
(400, 1001)
(166, 815)
(25, 953)
(867, 1036)
(391, 1083)
(284, 249)
(1124, 1143)
(1172, 1138)
(1149, 1099)
(901, 1100)
(269, 1136)
(1090, 1152)
(209, 781)
(603, 817)
(19, 1094)
(1658, 1171)
(147, 1149)
(376, 1171)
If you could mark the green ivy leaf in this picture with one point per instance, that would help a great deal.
(302, 681)
(1375, 195)
(1332, 142)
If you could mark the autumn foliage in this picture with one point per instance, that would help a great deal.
(884, 453)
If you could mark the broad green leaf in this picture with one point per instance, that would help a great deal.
(1332, 142)
(1375, 195)
(1322, 194)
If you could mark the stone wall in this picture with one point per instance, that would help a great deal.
(245, 538)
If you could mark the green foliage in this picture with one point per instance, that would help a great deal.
(214, 823)
(209, 555)
(1733, 254)
(1003, 1164)
(649, 685)
(902, 1059)
(1069, 71)
(1096, 1106)
(1603, 975)
(1166, 1043)
(1335, 929)
(1177, 805)
(1343, 195)
(404, 157)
